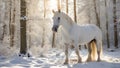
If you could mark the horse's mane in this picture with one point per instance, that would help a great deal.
(67, 18)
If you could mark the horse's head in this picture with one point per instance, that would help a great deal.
(60, 18)
(56, 20)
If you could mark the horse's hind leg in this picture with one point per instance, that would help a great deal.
(78, 55)
(99, 51)
(66, 53)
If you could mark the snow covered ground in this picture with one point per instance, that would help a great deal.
(54, 58)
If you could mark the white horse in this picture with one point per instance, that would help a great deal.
(77, 34)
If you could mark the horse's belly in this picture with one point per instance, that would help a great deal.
(82, 37)
(83, 42)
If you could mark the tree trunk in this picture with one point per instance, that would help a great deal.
(23, 47)
(108, 45)
(4, 25)
(43, 37)
(12, 23)
(58, 5)
(89, 20)
(115, 24)
(96, 13)
(43, 34)
(89, 12)
(67, 6)
(10, 19)
(75, 16)
(3, 33)
(53, 40)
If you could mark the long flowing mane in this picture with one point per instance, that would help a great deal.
(67, 18)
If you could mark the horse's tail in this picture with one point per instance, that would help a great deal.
(94, 50)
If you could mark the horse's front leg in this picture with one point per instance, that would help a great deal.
(66, 54)
(77, 53)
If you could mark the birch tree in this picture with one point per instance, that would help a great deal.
(96, 13)
(89, 11)
(12, 22)
(115, 24)
(67, 6)
(75, 16)
(3, 33)
(23, 42)
(43, 34)
(106, 14)
(3, 9)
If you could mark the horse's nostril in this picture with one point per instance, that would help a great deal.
(52, 29)
(56, 29)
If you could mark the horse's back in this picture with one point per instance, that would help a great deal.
(86, 33)
(87, 28)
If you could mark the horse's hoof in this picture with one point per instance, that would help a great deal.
(79, 61)
(65, 63)
(89, 60)
(99, 60)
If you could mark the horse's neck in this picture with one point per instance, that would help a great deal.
(67, 26)
(67, 23)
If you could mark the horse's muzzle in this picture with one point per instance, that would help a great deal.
(55, 28)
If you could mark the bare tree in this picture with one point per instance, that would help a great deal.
(89, 20)
(96, 13)
(23, 46)
(59, 5)
(43, 34)
(106, 14)
(53, 40)
(89, 11)
(4, 25)
(75, 16)
(12, 22)
(67, 6)
(115, 24)
(3, 33)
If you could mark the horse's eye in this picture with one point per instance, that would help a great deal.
(58, 18)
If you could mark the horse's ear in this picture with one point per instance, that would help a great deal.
(53, 11)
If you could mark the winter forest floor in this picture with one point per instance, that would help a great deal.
(54, 58)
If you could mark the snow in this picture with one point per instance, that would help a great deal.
(54, 58)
